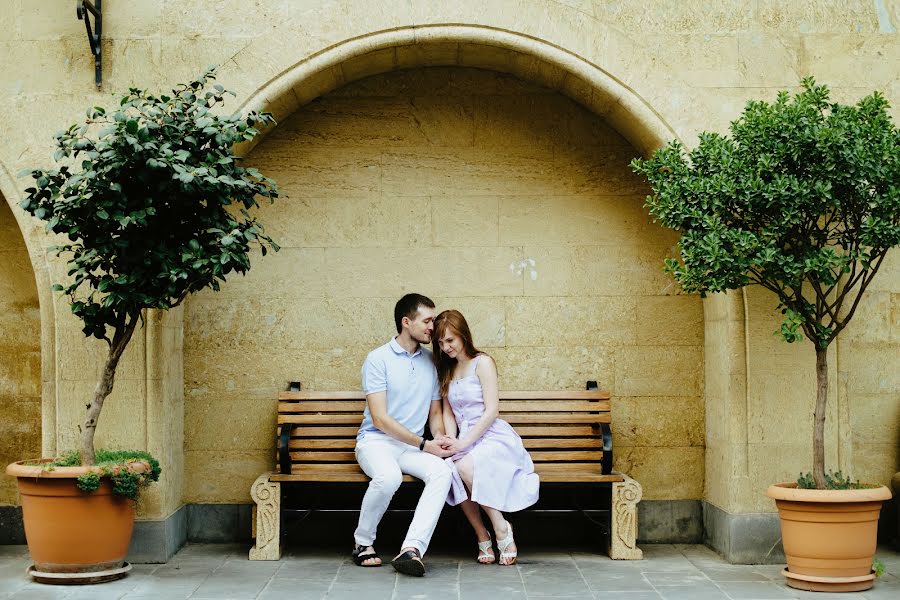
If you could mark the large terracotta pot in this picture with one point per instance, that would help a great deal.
(829, 536)
(73, 536)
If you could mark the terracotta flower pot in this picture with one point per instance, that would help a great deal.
(73, 536)
(829, 536)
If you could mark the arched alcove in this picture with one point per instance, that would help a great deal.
(495, 195)
(20, 353)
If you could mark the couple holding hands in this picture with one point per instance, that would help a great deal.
(476, 460)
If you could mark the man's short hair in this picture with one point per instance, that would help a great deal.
(408, 306)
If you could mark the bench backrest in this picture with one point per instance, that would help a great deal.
(564, 431)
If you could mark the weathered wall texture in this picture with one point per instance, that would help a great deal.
(20, 354)
(688, 66)
(503, 199)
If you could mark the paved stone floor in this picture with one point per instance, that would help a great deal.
(218, 571)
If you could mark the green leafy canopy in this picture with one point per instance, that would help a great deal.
(153, 201)
(803, 199)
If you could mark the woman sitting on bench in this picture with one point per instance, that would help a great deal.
(491, 468)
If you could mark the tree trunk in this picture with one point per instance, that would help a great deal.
(104, 387)
(819, 425)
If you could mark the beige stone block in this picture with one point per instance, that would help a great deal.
(852, 60)
(766, 59)
(872, 368)
(222, 18)
(670, 422)
(875, 418)
(20, 371)
(676, 17)
(482, 56)
(371, 63)
(122, 423)
(888, 277)
(51, 65)
(290, 273)
(530, 122)
(465, 221)
(486, 318)
(389, 272)
(231, 425)
(601, 270)
(719, 474)
(223, 477)
(599, 171)
(400, 121)
(435, 81)
(670, 320)
(438, 172)
(584, 219)
(322, 222)
(227, 374)
(554, 367)
(340, 368)
(539, 321)
(873, 321)
(698, 60)
(81, 358)
(320, 171)
(44, 21)
(851, 16)
(665, 473)
(491, 83)
(875, 463)
(659, 371)
(430, 55)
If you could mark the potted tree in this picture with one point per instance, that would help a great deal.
(153, 206)
(802, 199)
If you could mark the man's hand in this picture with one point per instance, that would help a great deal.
(434, 447)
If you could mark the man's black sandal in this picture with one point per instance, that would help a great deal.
(359, 557)
(409, 563)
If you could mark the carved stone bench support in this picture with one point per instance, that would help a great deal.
(623, 537)
(266, 518)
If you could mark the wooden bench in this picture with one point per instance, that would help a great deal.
(567, 434)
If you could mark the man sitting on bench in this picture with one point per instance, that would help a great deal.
(401, 387)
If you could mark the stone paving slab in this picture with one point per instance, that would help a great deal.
(222, 572)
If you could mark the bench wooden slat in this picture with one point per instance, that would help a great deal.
(530, 443)
(516, 418)
(362, 478)
(504, 395)
(511, 418)
(356, 406)
(319, 456)
(526, 431)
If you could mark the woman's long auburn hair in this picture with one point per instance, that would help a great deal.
(453, 321)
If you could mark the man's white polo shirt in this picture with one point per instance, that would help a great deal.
(410, 381)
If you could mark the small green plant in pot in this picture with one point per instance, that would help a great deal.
(803, 199)
(154, 205)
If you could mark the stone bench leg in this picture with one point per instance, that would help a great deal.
(623, 531)
(266, 518)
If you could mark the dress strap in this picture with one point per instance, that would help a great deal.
(475, 364)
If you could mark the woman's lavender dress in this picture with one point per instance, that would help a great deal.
(504, 476)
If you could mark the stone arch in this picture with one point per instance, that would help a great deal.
(21, 361)
(479, 46)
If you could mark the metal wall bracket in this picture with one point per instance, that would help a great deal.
(84, 9)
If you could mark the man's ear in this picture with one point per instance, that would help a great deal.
(405, 322)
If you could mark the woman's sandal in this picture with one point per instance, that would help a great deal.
(360, 556)
(409, 563)
(485, 553)
(505, 543)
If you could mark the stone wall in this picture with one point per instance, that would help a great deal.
(505, 200)
(650, 70)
